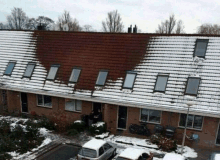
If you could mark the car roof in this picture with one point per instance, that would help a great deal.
(94, 144)
(173, 156)
(131, 153)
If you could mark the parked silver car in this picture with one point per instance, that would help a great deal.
(96, 150)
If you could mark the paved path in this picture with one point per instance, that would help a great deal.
(63, 152)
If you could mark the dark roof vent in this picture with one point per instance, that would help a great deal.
(130, 29)
(135, 29)
(41, 27)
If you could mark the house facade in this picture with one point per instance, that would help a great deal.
(131, 78)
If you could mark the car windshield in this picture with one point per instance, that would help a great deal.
(121, 158)
(88, 152)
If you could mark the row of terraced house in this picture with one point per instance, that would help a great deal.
(131, 78)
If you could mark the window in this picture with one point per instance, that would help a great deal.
(101, 78)
(200, 48)
(192, 86)
(129, 80)
(101, 151)
(9, 68)
(52, 73)
(194, 121)
(73, 105)
(107, 146)
(44, 101)
(161, 83)
(148, 115)
(29, 70)
(88, 152)
(75, 75)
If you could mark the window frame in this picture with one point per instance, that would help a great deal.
(55, 77)
(161, 75)
(29, 63)
(43, 101)
(200, 40)
(149, 116)
(78, 76)
(187, 85)
(192, 122)
(98, 76)
(12, 68)
(129, 72)
(79, 111)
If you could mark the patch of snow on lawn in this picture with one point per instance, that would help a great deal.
(98, 124)
(44, 132)
(103, 135)
(78, 121)
(187, 151)
(45, 142)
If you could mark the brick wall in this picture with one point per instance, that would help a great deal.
(58, 112)
(110, 112)
(207, 134)
(13, 101)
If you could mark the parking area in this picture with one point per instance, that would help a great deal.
(62, 152)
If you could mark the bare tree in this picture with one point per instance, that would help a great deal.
(41, 20)
(113, 22)
(66, 19)
(171, 26)
(209, 29)
(17, 19)
(87, 28)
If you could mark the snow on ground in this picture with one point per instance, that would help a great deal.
(123, 142)
(27, 155)
(98, 124)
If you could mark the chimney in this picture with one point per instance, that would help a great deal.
(130, 29)
(135, 29)
(40, 27)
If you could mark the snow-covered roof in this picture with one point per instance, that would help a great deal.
(131, 153)
(173, 156)
(146, 54)
(94, 144)
(217, 157)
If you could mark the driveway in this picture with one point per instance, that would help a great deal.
(63, 152)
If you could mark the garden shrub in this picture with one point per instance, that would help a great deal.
(46, 123)
(5, 156)
(98, 128)
(19, 139)
(32, 130)
(72, 132)
(155, 138)
(17, 132)
(78, 126)
(4, 127)
(167, 144)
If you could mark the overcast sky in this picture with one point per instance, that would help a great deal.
(146, 14)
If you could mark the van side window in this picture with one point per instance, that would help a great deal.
(101, 151)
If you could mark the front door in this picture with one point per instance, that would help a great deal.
(96, 108)
(122, 117)
(218, 136)
(24, 104)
